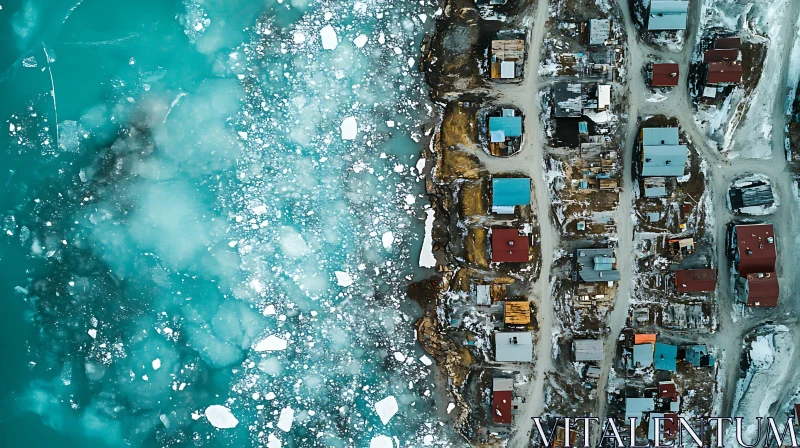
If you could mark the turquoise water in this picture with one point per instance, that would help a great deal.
(189, 221)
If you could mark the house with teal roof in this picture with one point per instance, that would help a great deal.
(665, 357)
(697, 356)
(509, 192)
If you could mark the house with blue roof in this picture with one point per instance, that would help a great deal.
(668, 15)
(662, 153)
(642, 355)
(697, 356)
(597, 265)
(637, 407)
(508, 193)
(665, 357)
(504, 133)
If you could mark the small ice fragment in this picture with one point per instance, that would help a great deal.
(221, 417)
(420, 165)
(156, 364)
(232, 243)
(423, 17)
(349, 128)
(399, 168)
(329, 40)
(397, 50)
(426, 258)
(11, 127)
(425, 360)
(243, 135)
(381, 442)
(410, 62)
(386, 408)
(260, 209)
(269, 310)
(328, 15)
(270, 396)
(427, 440)
(299, 38)
(273, 442)
(256, 285)
(399, 356)
(270, 344)
(92, 333)
(286, 419)
(410, 199)
(450, 407)
(360, 40)
(343, 279)
(387, 239)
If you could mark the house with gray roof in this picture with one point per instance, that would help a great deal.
(596, 265)
(642, 355)
(662, 153)
(568, 99)
(513, 346)
(667, 15)
(637, 407)
(587, 350)
(599, 30)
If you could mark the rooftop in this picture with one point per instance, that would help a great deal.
(643, 355)
(508, 192)
(664, 160)
(636, 407)
(508, 246)
(665, 357)
(762, 289)
(668, 15)
(517, 312)
(727, 42)
(568, 99)
(696, 280)
(667, 389)
(588, 350)
(509, 126)
(665, 75)
(755, 248)
(596, 265)
(660, 136)
(730, 54)
(724, 73)
(755, 194)
(598, 31)
(513, 346)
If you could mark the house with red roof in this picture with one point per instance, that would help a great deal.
(510, 246)
(502, 398)
(723, 62)
(665, 75)
(696, 280)
(755, 258)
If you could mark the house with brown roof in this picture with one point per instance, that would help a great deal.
(510, 246)
(762, 289)
(696, 280)
(755, 260)
(665, 75)
(724, 64)
(502, 397)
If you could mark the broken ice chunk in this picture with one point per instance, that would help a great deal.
(386, 408)
(299, 38)
(349, 128)
(425, 360)
(270, 344)
(381, 442)
(387, 239)
(426, 258)
(269, 310)
(450, 407)
(360, 40)
(399, 356)
(156, 364)
(286, 419)
(329, 40)
(92, 333)
(343, 279)
(221, 417)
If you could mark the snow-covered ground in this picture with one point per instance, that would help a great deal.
(771, 355)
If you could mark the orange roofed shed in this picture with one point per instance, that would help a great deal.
(644, 338)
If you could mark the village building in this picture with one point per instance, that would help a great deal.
(510, 246)
(697, 356)
(655, 187)
(665, 357)
(502, 400)
(723, 62)
(485, 294)
(584, 350)
(517, 313)
(665, 75)
(568, 100)
(507, 57)
(684, 315)
(662, 153)
(513, 346)
(761, 289)
(638, 407)
(599, 30)
(597, 265)
(505, 132)
(696, 280)
(753, 195)
(668, 15)
(642, 356)
(667, 390)
(510, 192)
(755, 248)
